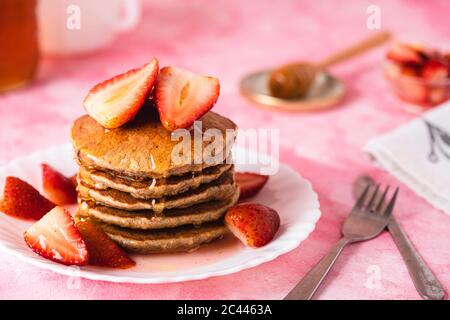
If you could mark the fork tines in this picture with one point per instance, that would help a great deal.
(376, 201)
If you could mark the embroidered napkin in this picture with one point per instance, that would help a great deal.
(418, 154)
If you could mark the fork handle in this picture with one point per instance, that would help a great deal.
(424, 280)
(305, 289)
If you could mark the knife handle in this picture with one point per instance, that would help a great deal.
(424, 280)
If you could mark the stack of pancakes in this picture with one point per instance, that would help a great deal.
(130, 186)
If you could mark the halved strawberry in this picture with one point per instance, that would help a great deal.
(435, 70)
(55, 237)
(403, 53)
(254, 224)
(102, 250)
(183, 96)
(21, 200)
(58, 187)
(250, 183)
(116, 101)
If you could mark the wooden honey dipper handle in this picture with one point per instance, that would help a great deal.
(356, 49)
(294, 79)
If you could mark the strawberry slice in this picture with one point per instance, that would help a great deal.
(116, 101)
(403, 53)
(249, 183)
(413, 91)
(447, 58)
(183, 96)
(102, 250)
(254, 224)
(57, 187)
(56, 238)
(21, 200)
(437, 95)
(435, 70)
(410, 71)
(73, 179)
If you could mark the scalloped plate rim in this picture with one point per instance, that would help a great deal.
(97, 274)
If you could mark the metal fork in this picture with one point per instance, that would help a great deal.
(364, 222)
(423, 278)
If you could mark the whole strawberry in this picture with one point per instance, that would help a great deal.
(254, 224)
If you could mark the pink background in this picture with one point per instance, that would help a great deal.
(228, 39)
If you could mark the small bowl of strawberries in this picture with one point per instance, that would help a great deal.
(418, 75)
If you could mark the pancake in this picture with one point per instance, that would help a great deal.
(152, 188)
(219, 189)
(180, 239)
(143, 147)
(197, 214)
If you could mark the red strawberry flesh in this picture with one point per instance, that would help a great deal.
(102, 250)
(254, 224)
(21, 200)
(56, 238)
(404, 54)
(434, 70)
(182, 96)
(250, 183)
(73, 179)
(116, 101)
(57, 187)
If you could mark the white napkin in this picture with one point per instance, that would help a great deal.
(418, 154)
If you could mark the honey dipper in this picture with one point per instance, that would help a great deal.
(294, 79)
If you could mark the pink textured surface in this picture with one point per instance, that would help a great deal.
(226, 39)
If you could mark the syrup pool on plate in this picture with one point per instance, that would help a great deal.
(208, 254)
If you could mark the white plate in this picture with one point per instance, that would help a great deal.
(287, 192)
